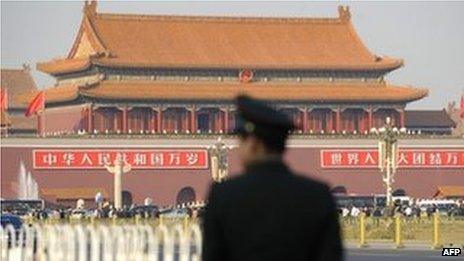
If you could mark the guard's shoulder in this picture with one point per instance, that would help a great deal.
(312, 185)
(234, 181)
(228, 188)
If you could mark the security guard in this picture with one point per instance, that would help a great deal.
(268, 213)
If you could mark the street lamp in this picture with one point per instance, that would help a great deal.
(388, 155)
(219, 162)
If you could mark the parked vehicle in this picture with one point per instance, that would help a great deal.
(21, 207)
(9, 220)
(442, 205)
(145, 211)
(175, 213)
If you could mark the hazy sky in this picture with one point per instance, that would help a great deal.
(429, 36)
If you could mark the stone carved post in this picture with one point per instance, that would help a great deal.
(119, 167)
(219, 164)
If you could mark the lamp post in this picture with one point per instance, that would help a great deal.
(388, 155)
(119, 167)
(219, 162)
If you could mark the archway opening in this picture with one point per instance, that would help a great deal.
(339, 190)
(399, 193)
(126, 198)
(185, 195)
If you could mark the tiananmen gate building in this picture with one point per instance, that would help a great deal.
(179, 74)
(168, 75)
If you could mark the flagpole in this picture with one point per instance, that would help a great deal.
(42, 112)
(5, 106)
(41, 119)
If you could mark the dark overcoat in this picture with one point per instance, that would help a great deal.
(270, 213)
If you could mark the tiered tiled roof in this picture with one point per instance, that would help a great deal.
(179, 42)
(4, 119)
(428, 118)
(157, 41)
(156, 90)
(17, 82)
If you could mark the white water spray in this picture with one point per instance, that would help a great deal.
(28, 187)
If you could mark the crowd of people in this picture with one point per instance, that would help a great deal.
(196, 209)
(107, 210)
(405, 209)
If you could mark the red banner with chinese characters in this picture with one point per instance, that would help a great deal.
(407, 158)
(138, 159)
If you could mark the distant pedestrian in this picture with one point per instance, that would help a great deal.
(345, 212)
(355, 212)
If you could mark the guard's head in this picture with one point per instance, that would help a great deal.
(262, 129)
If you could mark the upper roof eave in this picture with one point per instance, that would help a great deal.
(389, 65)
(204, 91)
(106, 32)
(64, 66)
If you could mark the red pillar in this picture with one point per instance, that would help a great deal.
(221, 117)
(402, 123)
(153, 121)
(309, 123)
(337, 119)
(370, 122)
(159, 119)
(193, 119)
(124, 119)
(83, 118)
(90, 119)
(115, 120)
(231, 122)
(305, 119)
(215, 122)
(331, 126)
(226, 120)
(362, 121)
(185, 120)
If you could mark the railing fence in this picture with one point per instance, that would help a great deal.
(101, 242)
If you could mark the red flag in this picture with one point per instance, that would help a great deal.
(462, 106)
(36, 105)
(4, 100)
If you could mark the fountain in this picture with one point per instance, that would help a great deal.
(28, 187)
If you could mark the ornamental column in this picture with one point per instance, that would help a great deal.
(118, 168)
(90, 119)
